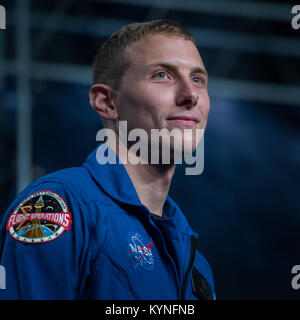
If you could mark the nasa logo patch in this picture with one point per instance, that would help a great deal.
(141, 251)
(41, 217)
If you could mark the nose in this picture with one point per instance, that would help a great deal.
(187, 95)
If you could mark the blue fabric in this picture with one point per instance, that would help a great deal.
(114, 248)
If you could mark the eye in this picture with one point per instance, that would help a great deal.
(197, 80)
(161, 75)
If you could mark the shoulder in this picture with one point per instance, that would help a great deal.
(57, 201)
(76, 181)
(49, 221)
(76, 184)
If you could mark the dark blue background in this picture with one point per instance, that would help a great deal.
(245, 205)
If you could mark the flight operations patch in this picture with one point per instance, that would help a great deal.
(41, 217)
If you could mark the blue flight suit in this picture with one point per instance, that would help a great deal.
(83, 233)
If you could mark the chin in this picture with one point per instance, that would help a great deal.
(177, 143)
(190, 140)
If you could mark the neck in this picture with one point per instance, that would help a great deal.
(151, 182)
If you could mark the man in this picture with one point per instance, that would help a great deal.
(110, 231)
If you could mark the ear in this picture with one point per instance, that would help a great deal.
(102, 101)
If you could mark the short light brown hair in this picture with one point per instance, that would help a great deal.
(110, 62)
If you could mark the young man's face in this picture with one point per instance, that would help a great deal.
(165, 85)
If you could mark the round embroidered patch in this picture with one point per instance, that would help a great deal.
(141, 251)
(41, 217)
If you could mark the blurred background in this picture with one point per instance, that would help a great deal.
(245, 205)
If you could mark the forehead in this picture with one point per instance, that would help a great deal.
(167, 48)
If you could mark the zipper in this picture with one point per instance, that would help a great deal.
(191, 264)
(162, 242)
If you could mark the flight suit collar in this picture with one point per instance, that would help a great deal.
(114, 180)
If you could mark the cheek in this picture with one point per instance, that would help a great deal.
(128, 104)
(156, 96)
(146, 103)
(204, 105)
(205, 102)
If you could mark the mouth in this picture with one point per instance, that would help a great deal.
(184, 120)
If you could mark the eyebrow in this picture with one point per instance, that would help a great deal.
(170, 66)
